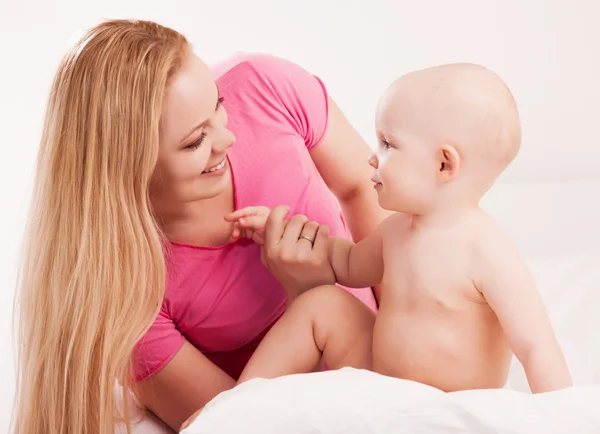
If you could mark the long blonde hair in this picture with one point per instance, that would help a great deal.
(93, 274)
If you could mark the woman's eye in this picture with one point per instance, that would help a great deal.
(197, 143)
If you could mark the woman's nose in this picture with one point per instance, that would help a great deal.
(224, 140)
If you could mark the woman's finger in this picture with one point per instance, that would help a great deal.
(293, 229)
(307, 236)
(275, 226)
(321, 243)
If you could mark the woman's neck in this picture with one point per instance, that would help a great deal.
(198, 223)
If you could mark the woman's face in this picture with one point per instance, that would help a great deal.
(194, 138)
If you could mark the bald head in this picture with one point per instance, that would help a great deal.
(466, 106)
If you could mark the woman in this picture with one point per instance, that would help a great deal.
(130, 272)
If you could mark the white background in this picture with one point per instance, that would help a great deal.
(547, 51)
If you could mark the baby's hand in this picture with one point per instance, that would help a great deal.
(250, 223)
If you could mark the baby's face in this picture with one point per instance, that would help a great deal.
(450, 124)
(405, 165)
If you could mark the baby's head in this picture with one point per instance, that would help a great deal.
(445, 134)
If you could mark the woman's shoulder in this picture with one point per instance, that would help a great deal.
(267, 65)
(269, 75)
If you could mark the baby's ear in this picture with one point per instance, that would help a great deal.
(448, 163)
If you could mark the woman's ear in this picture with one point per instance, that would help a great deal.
(448, 162)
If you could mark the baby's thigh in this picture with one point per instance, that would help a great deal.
(331, 306)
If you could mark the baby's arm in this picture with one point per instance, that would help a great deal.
(509, 288)
(360, 265)
(355, 265)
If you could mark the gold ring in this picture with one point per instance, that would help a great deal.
(306, 238)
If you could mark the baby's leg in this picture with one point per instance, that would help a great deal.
(326, 321)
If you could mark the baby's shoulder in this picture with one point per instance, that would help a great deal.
(491, 247)
(486, 233)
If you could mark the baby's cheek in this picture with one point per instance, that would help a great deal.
(382, 158)
(393, 173)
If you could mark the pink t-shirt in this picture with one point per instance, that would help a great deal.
(222, 299)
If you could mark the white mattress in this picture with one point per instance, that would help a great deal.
(555, 225)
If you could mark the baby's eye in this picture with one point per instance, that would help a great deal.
(385, 145)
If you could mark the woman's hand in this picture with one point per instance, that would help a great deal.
(295, 251)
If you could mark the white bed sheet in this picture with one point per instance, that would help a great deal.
(356, 402)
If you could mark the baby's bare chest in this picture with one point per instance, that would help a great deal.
(428, 268)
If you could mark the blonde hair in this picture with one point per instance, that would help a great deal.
(92, 279)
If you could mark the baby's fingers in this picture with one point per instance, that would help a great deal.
(257, 236)
(246, 212)
(236, 233)
(255, 222)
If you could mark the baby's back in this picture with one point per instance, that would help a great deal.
(434, 326)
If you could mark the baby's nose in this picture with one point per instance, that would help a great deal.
(373, 161)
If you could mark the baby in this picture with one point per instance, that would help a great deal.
(457, 300)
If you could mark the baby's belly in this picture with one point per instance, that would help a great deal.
(458, 351)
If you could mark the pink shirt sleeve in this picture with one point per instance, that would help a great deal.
(303, 95)
(158, 346)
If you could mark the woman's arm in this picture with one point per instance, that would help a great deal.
(338, 151)
(341, 158)
(182, 386)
